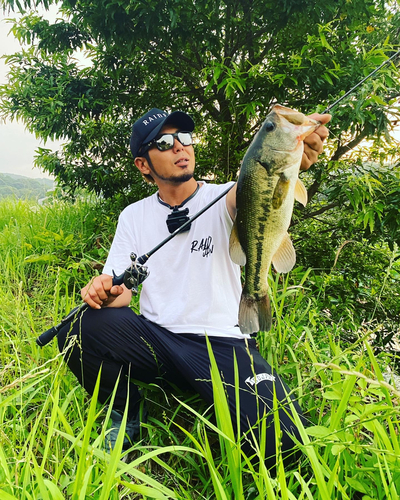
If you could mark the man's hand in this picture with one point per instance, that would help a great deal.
(313, 144)
(100, 292)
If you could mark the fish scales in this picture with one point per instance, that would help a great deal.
(267, 186)
(252, 229)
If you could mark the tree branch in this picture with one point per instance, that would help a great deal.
(341, 150)
(319, 211)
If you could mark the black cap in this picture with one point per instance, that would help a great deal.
(149, 125)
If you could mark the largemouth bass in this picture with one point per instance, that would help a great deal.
(267, 186)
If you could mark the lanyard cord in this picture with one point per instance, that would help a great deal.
(183, 202)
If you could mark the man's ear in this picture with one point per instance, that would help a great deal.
(142, 165)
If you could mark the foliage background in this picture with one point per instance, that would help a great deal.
(336, 316)
(225, 62)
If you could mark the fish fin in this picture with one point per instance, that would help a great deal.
(280, 192)
(300, 193)
(264, 314)
(235, 248)
(285, 257)
(254, 314)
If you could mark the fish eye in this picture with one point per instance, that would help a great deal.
(269, 126)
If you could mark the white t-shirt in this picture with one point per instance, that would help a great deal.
(193, 286)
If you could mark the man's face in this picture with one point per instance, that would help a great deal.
(176, 165)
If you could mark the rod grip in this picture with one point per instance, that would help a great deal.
(47, 336)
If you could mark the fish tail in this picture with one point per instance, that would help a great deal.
(254, 314)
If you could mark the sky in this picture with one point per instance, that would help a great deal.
(17, 145)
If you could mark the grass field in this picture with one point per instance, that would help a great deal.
(51, 433)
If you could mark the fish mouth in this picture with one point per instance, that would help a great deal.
(291, 115)
(308, 128)
(306, 125)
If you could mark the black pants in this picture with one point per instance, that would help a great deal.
(123, 343)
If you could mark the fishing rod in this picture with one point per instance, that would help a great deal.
(360, 83)
(132, 277)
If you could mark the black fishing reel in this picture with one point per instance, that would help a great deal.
(134, 275)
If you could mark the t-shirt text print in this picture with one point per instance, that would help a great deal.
(204, 245)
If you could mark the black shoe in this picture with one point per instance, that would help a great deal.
(132, 430)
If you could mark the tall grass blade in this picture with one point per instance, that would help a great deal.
(50, 431)
(83, 458)
(109, 480)
(224, 420)
(6, 496)
(320, 469)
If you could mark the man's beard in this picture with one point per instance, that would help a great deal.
(173, 179)
(177, 179)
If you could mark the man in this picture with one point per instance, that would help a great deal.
(192, 291)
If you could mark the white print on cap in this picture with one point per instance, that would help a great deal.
(259, 378)
(154, 117)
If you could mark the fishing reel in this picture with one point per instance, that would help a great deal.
(135, 274)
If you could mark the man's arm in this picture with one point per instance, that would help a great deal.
(313, 146)
(100, 292)
(231, 202)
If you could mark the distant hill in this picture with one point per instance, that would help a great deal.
(18, 186)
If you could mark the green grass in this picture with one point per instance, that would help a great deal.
(51, 432)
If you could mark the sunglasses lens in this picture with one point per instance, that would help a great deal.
(185, 138)
(165, 142)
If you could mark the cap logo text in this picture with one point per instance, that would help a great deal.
(150, 119)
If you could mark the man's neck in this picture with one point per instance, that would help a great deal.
(174, 194)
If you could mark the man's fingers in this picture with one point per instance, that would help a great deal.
(100, 291)
(97, 291)
(313, 144)
(94, 301)
(91, 297)
(309, 158)
(312, 149)
(116, 290)
(321, 133)
(323, 119)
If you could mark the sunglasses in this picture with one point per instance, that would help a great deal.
(166, 141)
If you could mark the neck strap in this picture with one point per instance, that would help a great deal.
(183, 202)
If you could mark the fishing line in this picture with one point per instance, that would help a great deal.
(360, 83)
